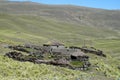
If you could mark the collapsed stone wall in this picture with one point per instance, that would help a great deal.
(90, 50)
(38, 54)
(59, 56)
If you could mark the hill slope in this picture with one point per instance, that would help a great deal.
(35, 27)
(83, 15)
(27, 22)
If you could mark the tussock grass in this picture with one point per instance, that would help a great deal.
(11, 69)
(38, 30)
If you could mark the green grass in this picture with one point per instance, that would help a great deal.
(107, 66)
(38, 30)
(22, 23)
(41, 29)
(76, 63)
(11, 69)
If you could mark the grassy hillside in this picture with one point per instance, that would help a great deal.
(28, 22)
(38, 30)
(65, 13)
(42, 29)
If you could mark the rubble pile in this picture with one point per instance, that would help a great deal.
(53, 54)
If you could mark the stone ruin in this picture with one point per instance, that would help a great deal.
(53, 54)
(92, 50)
